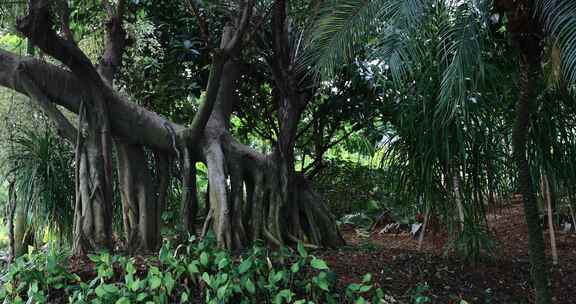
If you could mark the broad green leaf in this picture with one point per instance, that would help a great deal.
(130, 269)
(245, 266)
(360, 300)
(204, 259)
(323, 284)
(193, 268)
(367, 278)
(141, 296)
(295, 267)
(100, 291)
(169, 282)
(250, 286)
(154, 282)
(318, 264)
(123, 300)
(365, 288)
(223, 263)
(110, 288)
(206, 277)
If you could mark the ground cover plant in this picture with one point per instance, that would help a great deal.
(191, 273)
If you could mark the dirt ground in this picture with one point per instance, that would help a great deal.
(400, 269)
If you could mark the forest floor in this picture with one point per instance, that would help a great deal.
(405, 273)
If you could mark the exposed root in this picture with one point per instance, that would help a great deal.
(247, 202)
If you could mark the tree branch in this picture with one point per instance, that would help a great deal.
(65, 128)
(229, 46)
(128, 120)
(233, 43)
(195, 11)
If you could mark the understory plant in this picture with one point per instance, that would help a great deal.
(194, 271)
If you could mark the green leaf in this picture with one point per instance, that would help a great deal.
(245, 266)
(323, 284)
(360, 300)
(123, 300)
(154, 282)
(141, 296)
(134, 285)
(354, 287)
(249, 285)
(286, 294)
(207, 279)
(94, 258)
(169, 282)
(100, 291)
(164, 254)
(302, 250)
(318, 264)
(365, 288)
(223, 263)
(130, 269)
(184, 297)
(295, 267)
(193, 268)
(221, 293)
(275, 277)
(204, 259)
(367, 278)
(111, 288)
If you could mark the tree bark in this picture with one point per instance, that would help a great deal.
(525, 34)
(528, 74)
(458, 196)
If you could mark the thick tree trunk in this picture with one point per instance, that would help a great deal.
(93, 210)
(254, 204)
(139, 201)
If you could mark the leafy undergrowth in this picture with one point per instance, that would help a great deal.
(194, 273)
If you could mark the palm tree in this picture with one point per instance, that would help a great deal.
(464, 33)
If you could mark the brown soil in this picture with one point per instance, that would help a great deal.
(398, 268)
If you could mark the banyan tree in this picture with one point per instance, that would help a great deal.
(252, 195)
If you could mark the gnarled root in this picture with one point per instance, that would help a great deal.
(248, 202)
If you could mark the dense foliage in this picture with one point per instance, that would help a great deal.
(189, 273)
(230, 117)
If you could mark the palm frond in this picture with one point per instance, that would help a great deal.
(559, 19)
(345, 25)
(460, 52)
